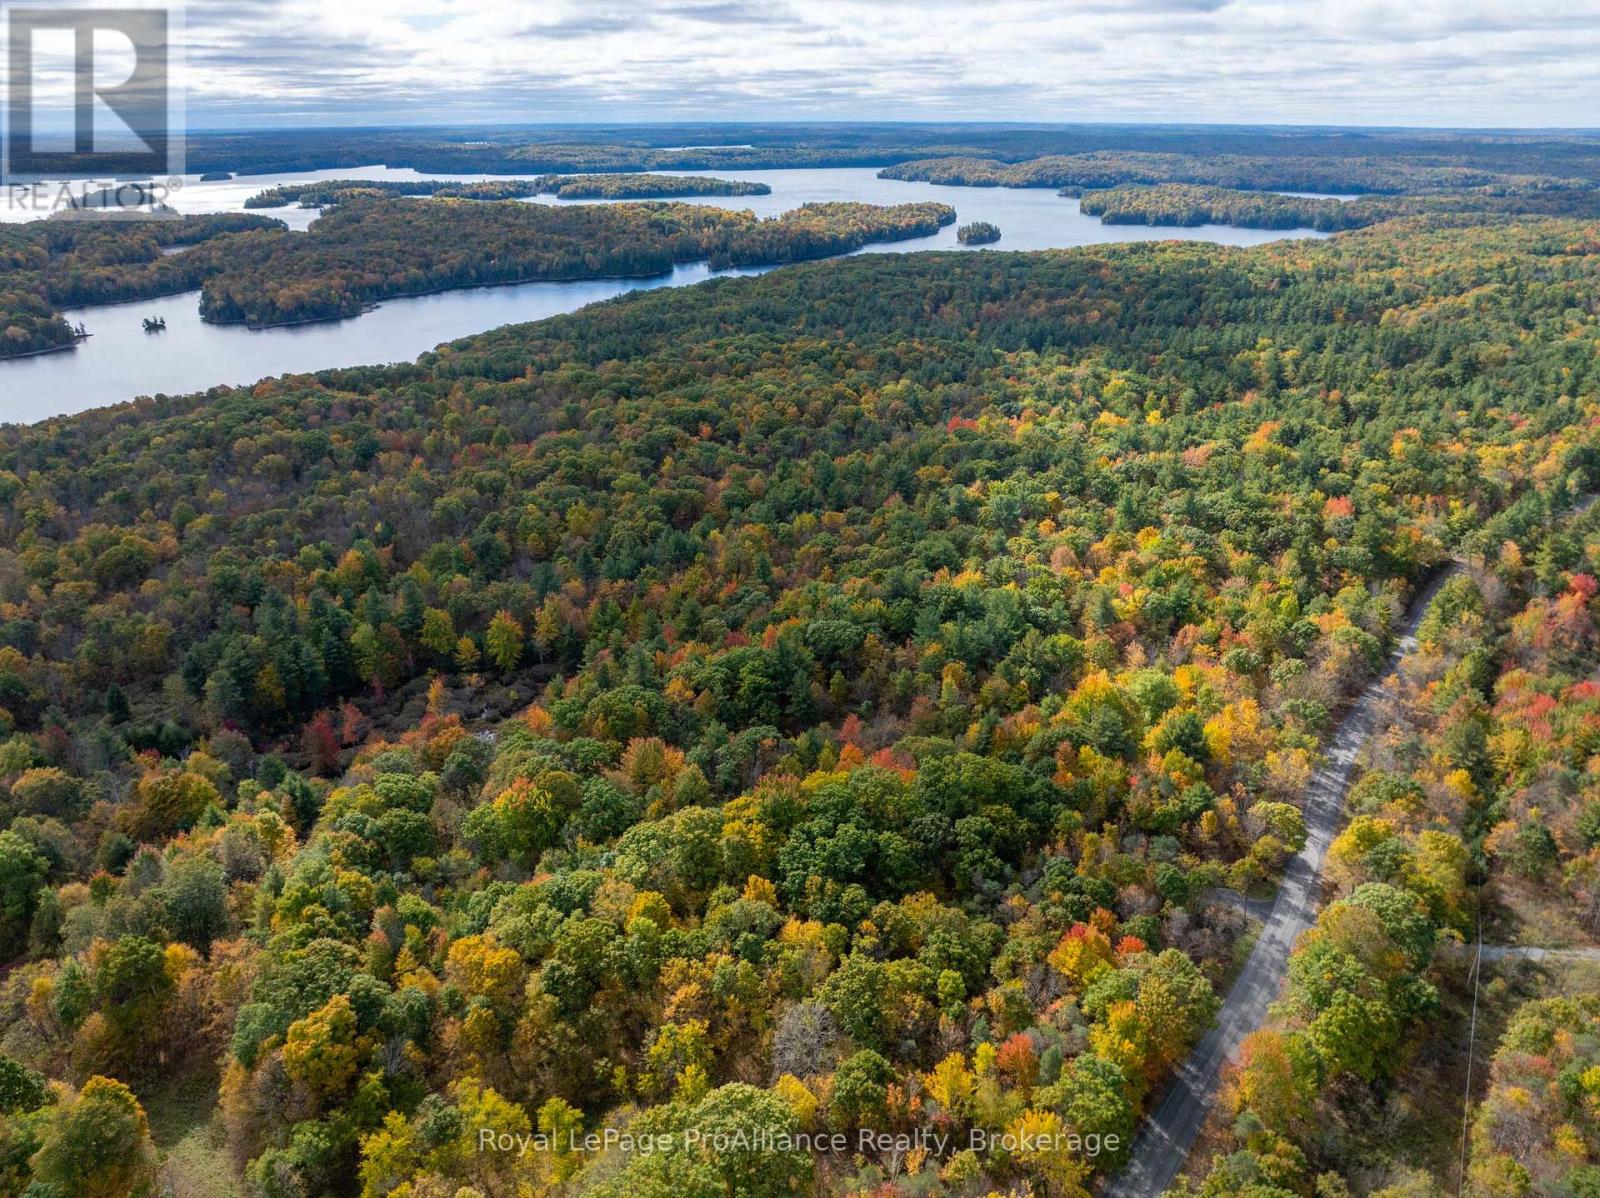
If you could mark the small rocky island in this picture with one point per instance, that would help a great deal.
(979, 232)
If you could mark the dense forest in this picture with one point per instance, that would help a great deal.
(820, 704)
(720, 146)
(1535, 1130)
(979, 232)
(1474, 818)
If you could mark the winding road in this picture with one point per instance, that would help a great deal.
(1164, 1141)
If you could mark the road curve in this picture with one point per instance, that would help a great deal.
(1163, 1143)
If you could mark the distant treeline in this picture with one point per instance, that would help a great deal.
(510, 150)
(326, 192)
(1187, 205)
(1103, 169)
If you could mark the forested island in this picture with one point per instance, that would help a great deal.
(979, 232)
(645, 187)
(816, 702)
(369, 247)
(325, 193)
(47, 265)
(1185, 204)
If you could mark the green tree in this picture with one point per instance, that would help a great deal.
(21, 1089)
(196, 897)
(97, 1145)
(860, 1090)
(22, 873)
(731, 1151)
(504, 641)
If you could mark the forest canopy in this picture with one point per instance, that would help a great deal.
(827, 700)
(510, 150)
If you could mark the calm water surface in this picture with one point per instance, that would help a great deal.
(120, 361)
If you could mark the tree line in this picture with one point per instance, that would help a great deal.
(1183, 204)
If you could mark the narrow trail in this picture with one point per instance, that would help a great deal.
(1163, 1143)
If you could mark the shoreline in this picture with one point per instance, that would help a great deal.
(49, 349)
(374, 305)
(716, 270)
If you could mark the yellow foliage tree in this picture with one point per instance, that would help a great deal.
(320, 1052)
(951, 1085)
(1042, 1147)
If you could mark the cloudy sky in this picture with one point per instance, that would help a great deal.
(1418, 62)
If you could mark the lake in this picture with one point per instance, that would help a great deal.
(120, 361)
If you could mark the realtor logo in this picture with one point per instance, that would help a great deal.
(88, 93)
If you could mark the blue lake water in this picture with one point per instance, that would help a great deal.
(120, 361)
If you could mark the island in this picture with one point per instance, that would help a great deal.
(1326, 174)
(327, 192)
(371, 248)
(251, 270)
(638, 186)
(979, 232)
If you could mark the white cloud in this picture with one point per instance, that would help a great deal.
(1435, 62)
